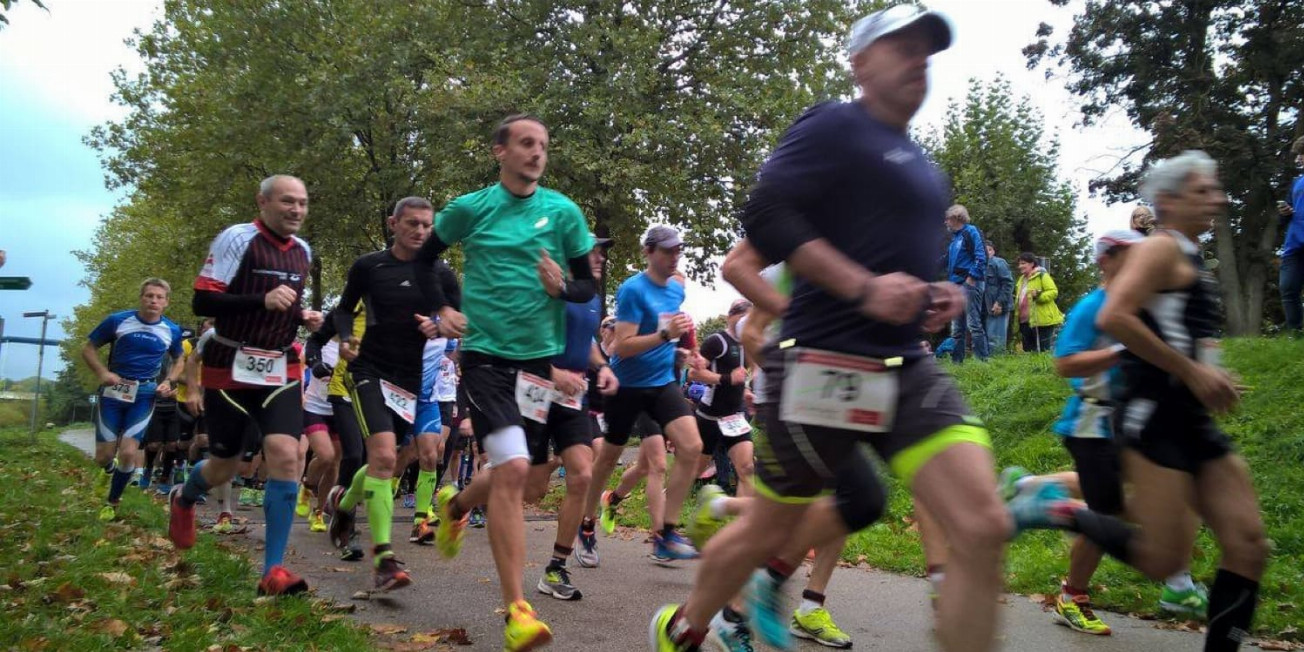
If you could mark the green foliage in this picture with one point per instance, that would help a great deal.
(6, 5)
(709, 327)
(67, 396)
(1004, 169)
(1218, 75)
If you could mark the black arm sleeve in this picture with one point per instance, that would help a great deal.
(326, 332)
(581, 288)
(220, 304)
(773, 226)
(347, 309)
(448, 281)
(428, 277)
(712, 347)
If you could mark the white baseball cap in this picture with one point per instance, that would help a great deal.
(894, 19)
(1117, 238)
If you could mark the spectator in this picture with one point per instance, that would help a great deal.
(1039, 317)
(1291, 279)
(1143, 220)
(997, 300)
(966, 265)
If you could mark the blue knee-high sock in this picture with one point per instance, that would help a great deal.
(121, 477)
(278, 507)
(195, 488)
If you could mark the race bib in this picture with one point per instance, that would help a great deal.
(663, 323)
(570, 401)
(602, 422)
(401, 401)
(533, 396)
(840, 391)
(734, 425)
(1208, 350)
(124, 391)
(259, 367)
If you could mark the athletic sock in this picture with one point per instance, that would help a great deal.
(1231, 610)
(439, 474)
(121, 478)
(1180, 581)
(810, 601)
(380, 509)
(195, 487)
(278, 508)
(425, 491)
(559, 554)
(668, 529)
(355, 489)
(1112, 534)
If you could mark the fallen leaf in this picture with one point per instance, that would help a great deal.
(111, 626)
(341, 569)
(388, 630)
(362, 595)
(66, 592)
(118, 578)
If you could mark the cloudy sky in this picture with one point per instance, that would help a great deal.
(54, 69)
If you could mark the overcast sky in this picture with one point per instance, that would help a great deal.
(54, 69)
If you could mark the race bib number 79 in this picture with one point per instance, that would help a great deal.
(840, 391)
(258, 367)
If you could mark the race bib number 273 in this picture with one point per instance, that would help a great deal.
(836, 390)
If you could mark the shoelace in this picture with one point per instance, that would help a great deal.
(563, 574)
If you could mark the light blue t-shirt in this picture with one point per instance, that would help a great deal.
(1089, 410)
(641, 301)
(138, 346)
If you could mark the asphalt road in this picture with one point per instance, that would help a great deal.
(881, 611)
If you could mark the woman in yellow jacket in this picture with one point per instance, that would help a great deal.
(1039, 317)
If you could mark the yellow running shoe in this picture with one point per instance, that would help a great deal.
(108, 513)
(524, 630)
(102, 480)
(448, 536)
(1077, 614)
(304, 507)
(225, 524)
(701, 525)
(317, 522)
(818, 626)
(607, 513)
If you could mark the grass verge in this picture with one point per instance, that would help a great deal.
(73, 582)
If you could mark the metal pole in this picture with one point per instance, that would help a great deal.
(40, 362)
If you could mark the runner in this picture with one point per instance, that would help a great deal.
(508, 232)
(342, 531)
(386, 375)
(251, 283)
(431, 434)
(649, 322)
(720, 418)
(194, 405)
(194, 433)
(445, 395)
(320, 435)
(163, 436)
(1163, 307)
(141, 340)
(842, 179)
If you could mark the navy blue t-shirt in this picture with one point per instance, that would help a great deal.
(581, 323)
(874, 195)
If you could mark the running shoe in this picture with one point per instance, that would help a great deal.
(225, 524)
(279, 581)
(317, 521)
(1191, 603)
(304, 507)
(108, 513)
(102, 480)
(258, 497)
(389, 574)
(556, 582)
(1008, 483)
(730, 636)
(701, 525)
(162, 488)
(607, 513)
(137, 477)
(143, 482)
(587, 553)
(1040, 507)
(674, 546)
(246, 499)
(1077, 614)
(352, 551)
(477, 518)
(764, 598)
(422, 534)
(181, 521)
(448, 537)
(342, 520)
(818, 626)
(409, 501)
(333, 498)
(524, 630)
(658, 631)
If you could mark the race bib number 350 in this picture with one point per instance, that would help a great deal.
(124, 391)
(533, 396)
(840, 391)
(258, 367)
(401, 401)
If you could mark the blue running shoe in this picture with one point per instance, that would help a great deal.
(672, 547)
(764, 598)
(1034, 509)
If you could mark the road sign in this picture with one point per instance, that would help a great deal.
(15, 282)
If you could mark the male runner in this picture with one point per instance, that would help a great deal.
(514, 328)
(720, 417)
(319, 434)
(856, 209)
(1164, 308)
(141, 339)
(649, 322)
(343, 536)
(386, 375)
(251, 284)
(430, 436)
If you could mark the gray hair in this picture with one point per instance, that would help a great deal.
(958, 212)
(1168, 177)
(416, 203)
(266, 186)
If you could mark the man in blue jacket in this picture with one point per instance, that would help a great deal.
(966, 266)
(1291, 280)
(997, 300)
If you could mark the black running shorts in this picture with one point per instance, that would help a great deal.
(239, 416)
(663, 404)
(490, 386)
(709, 429)
(565, 428)
(1170, 432)
(373, 415)
(164, 427)
(1100, 472)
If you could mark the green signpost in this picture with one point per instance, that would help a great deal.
(15, 282)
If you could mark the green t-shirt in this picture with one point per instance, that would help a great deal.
(508, 313)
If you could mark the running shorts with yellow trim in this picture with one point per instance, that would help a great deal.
(369, 405)
(798, 462)
(265, 410)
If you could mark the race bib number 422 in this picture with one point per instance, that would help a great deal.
(840, 391)
(258, 367)
(401, 401)
(533, 396)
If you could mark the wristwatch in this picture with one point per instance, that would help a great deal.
(665, 335)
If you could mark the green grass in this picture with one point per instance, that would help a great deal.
(1020, 397)
(72, 582)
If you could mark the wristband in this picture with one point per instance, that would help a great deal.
(665, 335)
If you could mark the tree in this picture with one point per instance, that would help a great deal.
(711, 326)
(67, 396)
(6, 5)
(1004, 169)
(1217, 75)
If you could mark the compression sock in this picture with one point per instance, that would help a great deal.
(380, 509)
(1110, 533)
(150, 456)
(354, 494)
(278, 508)
(425, 491)
(1231, 610)
(196, 486)
(121, 478)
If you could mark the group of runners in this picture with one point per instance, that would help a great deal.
(842, 230)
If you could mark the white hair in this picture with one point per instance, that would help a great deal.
(267, 185)
(1169, 177)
